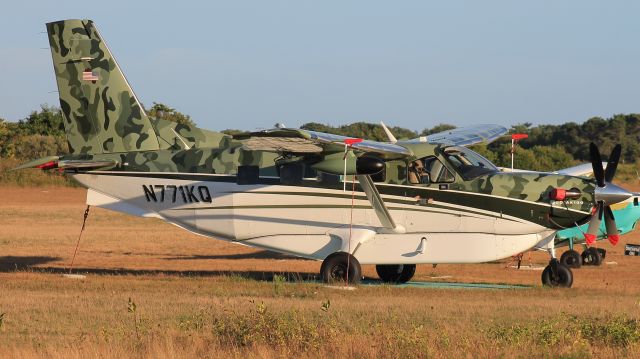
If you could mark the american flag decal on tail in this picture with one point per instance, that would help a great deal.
(88, 75)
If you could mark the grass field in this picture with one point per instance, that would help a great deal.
(154, 290)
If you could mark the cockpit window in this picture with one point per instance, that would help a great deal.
(429, 170)
(469, 164)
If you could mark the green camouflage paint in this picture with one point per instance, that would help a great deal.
(102, 114)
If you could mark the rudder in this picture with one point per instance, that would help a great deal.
(102, 114)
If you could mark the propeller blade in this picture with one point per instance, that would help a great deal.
(596, 164)
(594, 225)
(613, 163)
(610, 223)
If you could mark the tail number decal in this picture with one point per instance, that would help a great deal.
(188, 194)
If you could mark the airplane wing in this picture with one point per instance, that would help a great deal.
(297, 141)
(465, 136)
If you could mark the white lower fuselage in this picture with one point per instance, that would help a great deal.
(314, 222)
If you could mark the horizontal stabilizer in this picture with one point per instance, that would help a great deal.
(39, 163)
(50, 162)
(80, 164)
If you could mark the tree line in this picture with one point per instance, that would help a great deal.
(548, 147)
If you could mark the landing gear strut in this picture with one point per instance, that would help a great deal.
(341, 267)
(396, 273)
(557, 274)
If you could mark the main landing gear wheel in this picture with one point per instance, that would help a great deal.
(336, 267)
(571, 259)
(591, 257)
(557, 275)
(396, 273)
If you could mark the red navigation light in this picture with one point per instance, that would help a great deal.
(352, 141)
(47, 166)
(519, 136)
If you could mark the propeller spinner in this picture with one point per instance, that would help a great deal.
(606, 194)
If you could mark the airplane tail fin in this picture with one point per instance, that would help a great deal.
(101, 112)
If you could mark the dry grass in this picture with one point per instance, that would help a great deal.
(198, 297)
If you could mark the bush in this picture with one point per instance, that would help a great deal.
(619, 331)
(32, 147)
(290, 330)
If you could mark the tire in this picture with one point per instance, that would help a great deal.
(334, 268)
(407, 273)
(396, 273)
(571, 259)
(562, 279)
(591, 257)
(603, 252)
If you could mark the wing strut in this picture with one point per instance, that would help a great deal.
(378, 205)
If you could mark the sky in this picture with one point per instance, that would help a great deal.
(250, 64)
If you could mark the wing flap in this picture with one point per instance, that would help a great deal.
(301, 141)
(466, 136)
(296, 141)
(282, 144)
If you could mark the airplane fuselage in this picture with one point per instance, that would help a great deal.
(463, 221)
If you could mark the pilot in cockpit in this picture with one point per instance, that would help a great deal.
(417, 172)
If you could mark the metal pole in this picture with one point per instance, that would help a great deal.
(344, 176)
(512, 151)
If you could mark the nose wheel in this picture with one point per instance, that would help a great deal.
(557, 275)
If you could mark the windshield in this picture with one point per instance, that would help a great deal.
(469, 164)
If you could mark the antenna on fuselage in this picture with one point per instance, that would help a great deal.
(390, 136)
(186, 146)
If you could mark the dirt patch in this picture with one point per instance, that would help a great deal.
(45, 223)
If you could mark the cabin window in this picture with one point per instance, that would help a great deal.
(469, 164)
(291, 174)
(247, 175)
(429, 170)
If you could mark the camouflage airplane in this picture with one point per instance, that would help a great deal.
(315, 195)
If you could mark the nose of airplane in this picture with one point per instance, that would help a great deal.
(611, 194)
